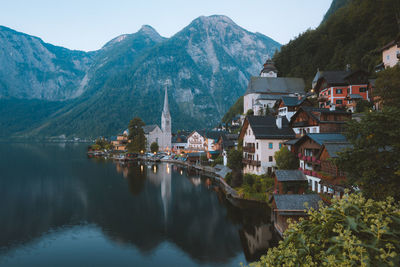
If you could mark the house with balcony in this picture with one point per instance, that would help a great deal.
(320, 172)
(318, 120)
(120, 141)
(341, 88)
(262, 136)
(196, 141)
(287, 106)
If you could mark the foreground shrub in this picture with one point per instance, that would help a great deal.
(352, 231)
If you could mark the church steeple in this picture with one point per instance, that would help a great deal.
(166, 116)
(166, 107)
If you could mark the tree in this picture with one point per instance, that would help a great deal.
(388, 86)
(353, 231)
(235, 159)
(154, 147)
(363, 106)
(136, 136)
(373, 163)
(286, 160)
(250, 112)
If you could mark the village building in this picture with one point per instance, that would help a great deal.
(341, 89)
(391, 54)
(120, 141)
(262, 136)
(287, 106)
(290, 182)
(179, 142)
(264, 90)
(225, 143)
(292, 206)
(318, 120)
(162, 136)
(195, 141)
(322, 175)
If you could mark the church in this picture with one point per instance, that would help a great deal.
(267, 88)
(161, 136)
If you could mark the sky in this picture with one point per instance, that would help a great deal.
(88, 24)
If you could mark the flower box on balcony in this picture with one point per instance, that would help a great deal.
(318, 161)
(314, 174)
(313, 159)
(299, 155)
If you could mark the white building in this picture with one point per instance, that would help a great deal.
(262, 136)
(265, 90)
(196, 141)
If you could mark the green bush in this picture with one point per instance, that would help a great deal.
(249, 179)
(353, 231)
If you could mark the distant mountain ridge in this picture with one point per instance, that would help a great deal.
(205, 66)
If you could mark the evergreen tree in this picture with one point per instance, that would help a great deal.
(137, 139)
(154, 147)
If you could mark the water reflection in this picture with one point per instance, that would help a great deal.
(46, 189)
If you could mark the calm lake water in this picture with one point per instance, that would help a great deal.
(59, 208)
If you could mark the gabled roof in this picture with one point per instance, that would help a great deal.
(269, 97)
(334, 77)
(149, 128)
(290, 175)
(316, 112)
(322, 138)
(212, 134)
(264, 127)
(334, 147)
(265, 85)
(292, 101)
(292, 203)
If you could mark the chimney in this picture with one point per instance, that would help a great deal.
(279, 122)
(333, 107)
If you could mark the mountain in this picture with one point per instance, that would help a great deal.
(33, 69)
(335, 5)
(353, 35)
(205, 66)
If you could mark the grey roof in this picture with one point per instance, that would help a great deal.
(179, 139)
(222, 170)
(281, 85)
(292, 142)
(292, 101)
(296, 202)
(269, 97)
(269, 66)
(290, 175)
(264, 127)
(355, 96)
(322, 138)
(334, 147)
(149, 128)
(212, 134)
(334, 77)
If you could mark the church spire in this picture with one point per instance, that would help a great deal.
(166, 107)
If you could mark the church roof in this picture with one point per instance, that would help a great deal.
(275, 85)
(149, 128)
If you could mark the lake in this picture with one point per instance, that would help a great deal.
(60, 208)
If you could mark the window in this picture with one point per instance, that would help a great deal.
(339, 101)
(257, 145)
(329, 92)
(387, 57)
(339, 91)
(363, 89)
(270, 159)
(270, 146)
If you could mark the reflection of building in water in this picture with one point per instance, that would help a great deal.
(256, 240)
(196, 181)
(161, 175)
(122, 169)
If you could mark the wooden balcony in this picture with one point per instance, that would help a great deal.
(249, 149)
(256, 163)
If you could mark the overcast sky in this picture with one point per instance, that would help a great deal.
(89, 24)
